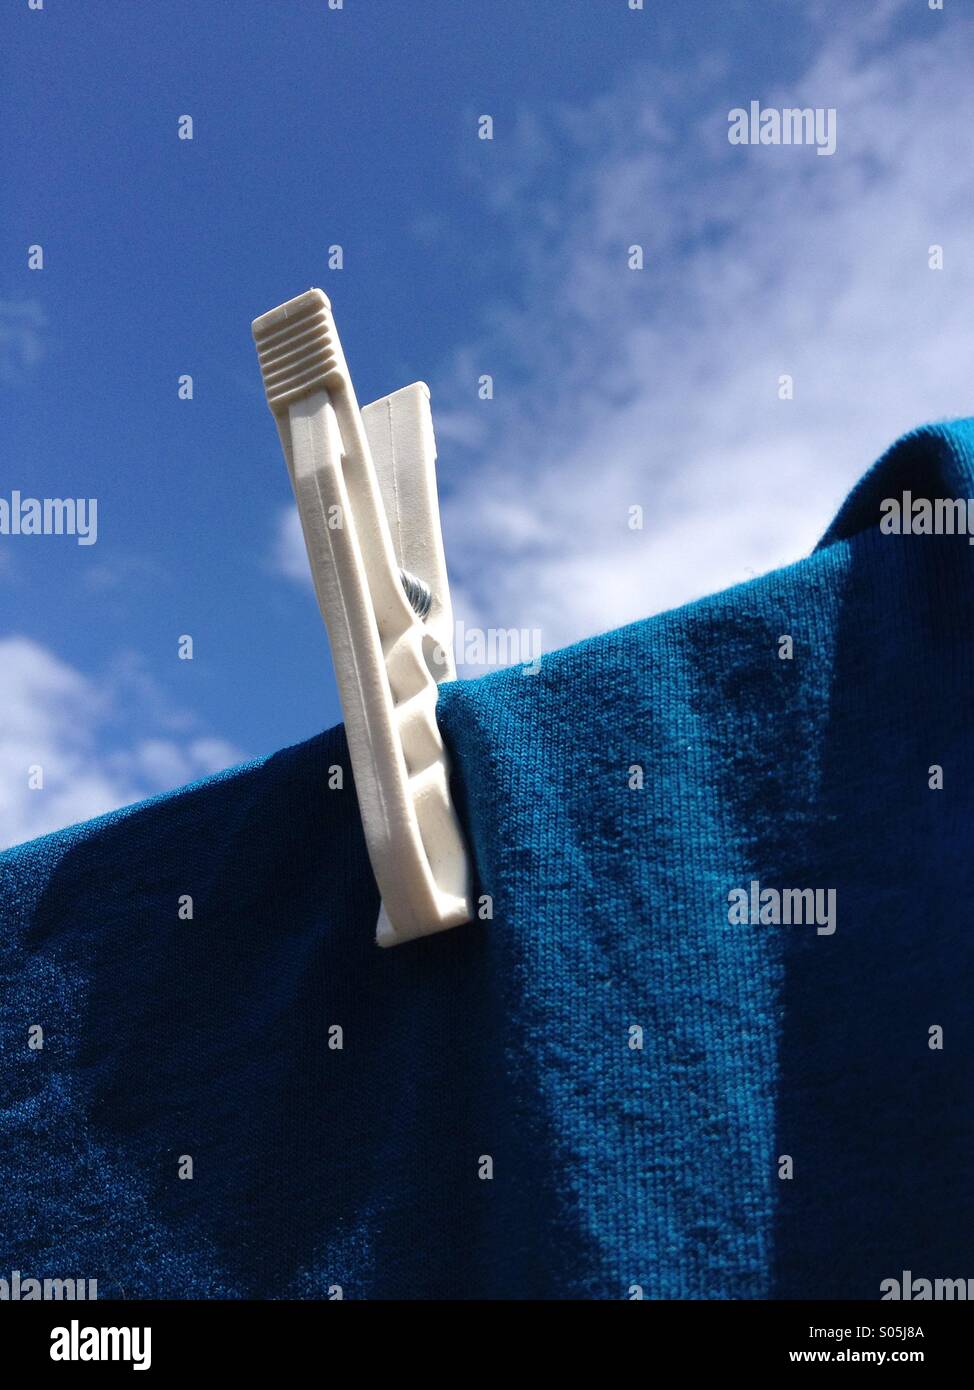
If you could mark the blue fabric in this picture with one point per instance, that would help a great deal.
(614, 1166)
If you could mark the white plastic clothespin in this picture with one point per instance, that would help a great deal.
(365, 485)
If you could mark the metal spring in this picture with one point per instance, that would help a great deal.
(418, 593)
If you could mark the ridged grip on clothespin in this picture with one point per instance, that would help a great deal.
(387, 659)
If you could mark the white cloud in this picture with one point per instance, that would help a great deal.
(164, 763)
(22, 335)
(289, 556)
(615, 387)
(58, 719)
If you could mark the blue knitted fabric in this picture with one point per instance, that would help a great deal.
(672, 1101)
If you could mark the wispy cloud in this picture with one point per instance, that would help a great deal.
(22, 325)
(87, 739)
(660, 388)
(288, 554)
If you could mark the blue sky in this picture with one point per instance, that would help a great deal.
(462, 256)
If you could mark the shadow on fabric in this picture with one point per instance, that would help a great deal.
(313, 1166)
(876, 1121)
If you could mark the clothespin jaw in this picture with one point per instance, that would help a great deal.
(364, 482)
